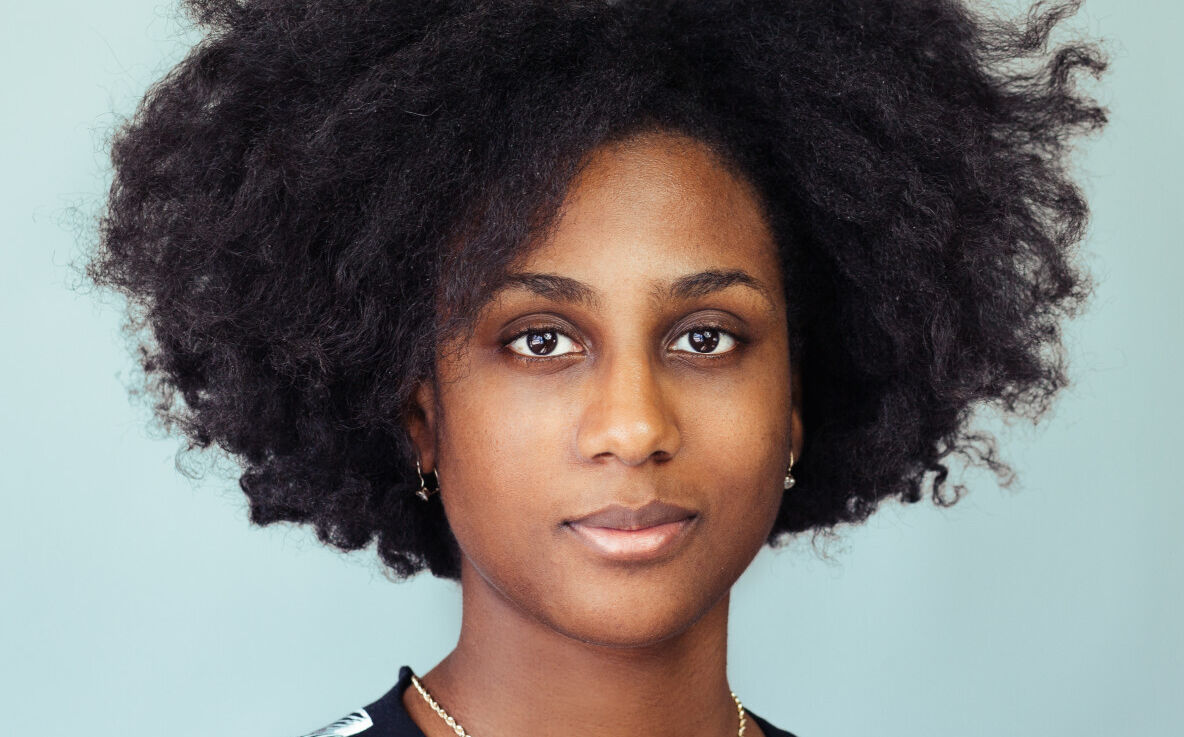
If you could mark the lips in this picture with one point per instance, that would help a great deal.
(622, 534)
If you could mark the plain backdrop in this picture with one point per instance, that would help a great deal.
(135, 600)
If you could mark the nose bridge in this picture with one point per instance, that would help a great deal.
(627, 413)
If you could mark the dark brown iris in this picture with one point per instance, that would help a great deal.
(542, 342)
(704, 340)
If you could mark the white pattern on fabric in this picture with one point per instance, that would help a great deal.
(350, 724)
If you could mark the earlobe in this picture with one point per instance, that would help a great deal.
(421, 424)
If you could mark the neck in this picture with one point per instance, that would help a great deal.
(512, 674)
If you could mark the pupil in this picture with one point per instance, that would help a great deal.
(542, 343)
(704, 340)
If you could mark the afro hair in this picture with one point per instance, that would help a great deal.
(318, 195)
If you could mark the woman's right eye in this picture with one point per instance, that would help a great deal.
(543, 342)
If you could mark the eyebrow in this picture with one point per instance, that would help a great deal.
(565, 289)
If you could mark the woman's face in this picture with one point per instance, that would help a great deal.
(639, 353)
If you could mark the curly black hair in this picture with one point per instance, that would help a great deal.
(318, 197)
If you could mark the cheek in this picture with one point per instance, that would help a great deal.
(736, 449)
(499, 461)
(739, 427)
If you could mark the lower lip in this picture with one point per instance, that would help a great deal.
(633, 545)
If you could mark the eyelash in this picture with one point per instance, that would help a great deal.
(738, 339)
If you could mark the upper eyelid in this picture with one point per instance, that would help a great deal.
(541, 328)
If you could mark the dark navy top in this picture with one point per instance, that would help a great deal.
(387, 717)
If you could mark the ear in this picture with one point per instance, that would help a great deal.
(797, 438)
(421, 422)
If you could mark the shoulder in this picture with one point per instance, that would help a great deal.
(768, 729)
(384, 717)
(355, 722)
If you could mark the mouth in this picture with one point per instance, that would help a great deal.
(644, 544)
(634, 535)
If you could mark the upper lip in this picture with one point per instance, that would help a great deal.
(619, 517)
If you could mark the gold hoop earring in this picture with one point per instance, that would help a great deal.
(789, 479)
(423, 492)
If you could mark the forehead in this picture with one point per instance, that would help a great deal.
(652, 209)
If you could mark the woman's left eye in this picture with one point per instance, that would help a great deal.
(705, 341)
(543, 342)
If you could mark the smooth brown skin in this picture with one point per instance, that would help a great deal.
(554, 639)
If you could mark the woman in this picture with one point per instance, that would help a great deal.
(583, 303)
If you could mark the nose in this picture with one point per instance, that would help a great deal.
(628, 414)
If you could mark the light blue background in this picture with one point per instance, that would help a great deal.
(134, 598)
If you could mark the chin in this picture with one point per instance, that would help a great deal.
(622, 634)
(633, 618)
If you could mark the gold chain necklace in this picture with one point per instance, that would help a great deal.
(460, 731)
